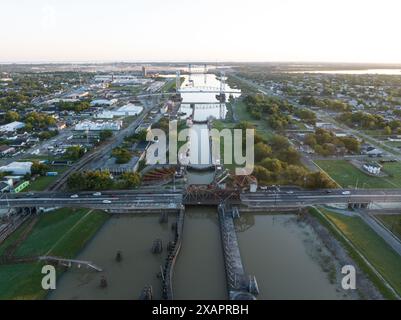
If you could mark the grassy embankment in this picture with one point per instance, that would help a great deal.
(170, 85)
(392, 222)
(62, 233)
(346, 175)
(366, 248)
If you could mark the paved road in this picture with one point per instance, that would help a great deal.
(266, 199)
(306, 198)
(382, 231)
(106, 200)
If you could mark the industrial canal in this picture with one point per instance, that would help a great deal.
(285, 255)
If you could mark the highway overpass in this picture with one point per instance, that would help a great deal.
(121, 200)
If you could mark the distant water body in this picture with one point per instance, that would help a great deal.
(364, 71)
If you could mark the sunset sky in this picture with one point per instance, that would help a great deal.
(207, 30)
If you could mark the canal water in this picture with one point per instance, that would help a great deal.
(134, 236)
(284, 255)
(287, 258)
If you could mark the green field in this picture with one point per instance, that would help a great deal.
(41, 183)
(61, 233)
(262, 127)
(346, 175)
(392, 222)
(384, 259)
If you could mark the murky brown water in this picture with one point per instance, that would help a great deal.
(284, 256)
(134, 236)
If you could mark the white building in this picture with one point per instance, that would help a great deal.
(103, 102)
(12, 126)
(18, 168)
(372, 168)
(124, 111)
(98, 126)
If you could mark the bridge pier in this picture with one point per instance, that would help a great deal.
(356, 206)
(239, 286)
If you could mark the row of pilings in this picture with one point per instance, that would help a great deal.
(173, 250)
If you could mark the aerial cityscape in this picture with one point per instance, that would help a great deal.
(177, 169)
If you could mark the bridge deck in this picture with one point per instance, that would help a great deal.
(237, 281)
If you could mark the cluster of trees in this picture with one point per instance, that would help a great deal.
(39, 168)
(363, 120)
(369, 121)
(78, 106)
(307, 116)
(330, 104)
(122, 155)
(273, 171)
(74, 152)
(275, 111)
(102, 180)
(277, 162)
(46, 135)
(137, 137)
(36, 120)
(326, 143)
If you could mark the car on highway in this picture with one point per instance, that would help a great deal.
(346, 192)
(97, 194)
(106, 201)
(74, 196)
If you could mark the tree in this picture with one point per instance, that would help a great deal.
(387, 130)
(279, 143)
(262, 151)
(310, 140)
(105, 134)
(319, 180)
(90, 180)
(290, 156)
(131, 179)
(39, 168)
(263, 175)
(11, 116)
(74, 152)
(122, 155)
(273, 165)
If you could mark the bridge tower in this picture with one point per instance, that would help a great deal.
(205, 73)
(190, 72)
(222, 83)
(222, 95)
(177, 82)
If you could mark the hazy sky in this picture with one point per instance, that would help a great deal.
(213, 30)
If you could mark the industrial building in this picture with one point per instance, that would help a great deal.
(12, 126)
(124, 111)
(17, 168)
(98, 126)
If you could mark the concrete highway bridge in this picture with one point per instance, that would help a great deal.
(121, 201)
(239, 285)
